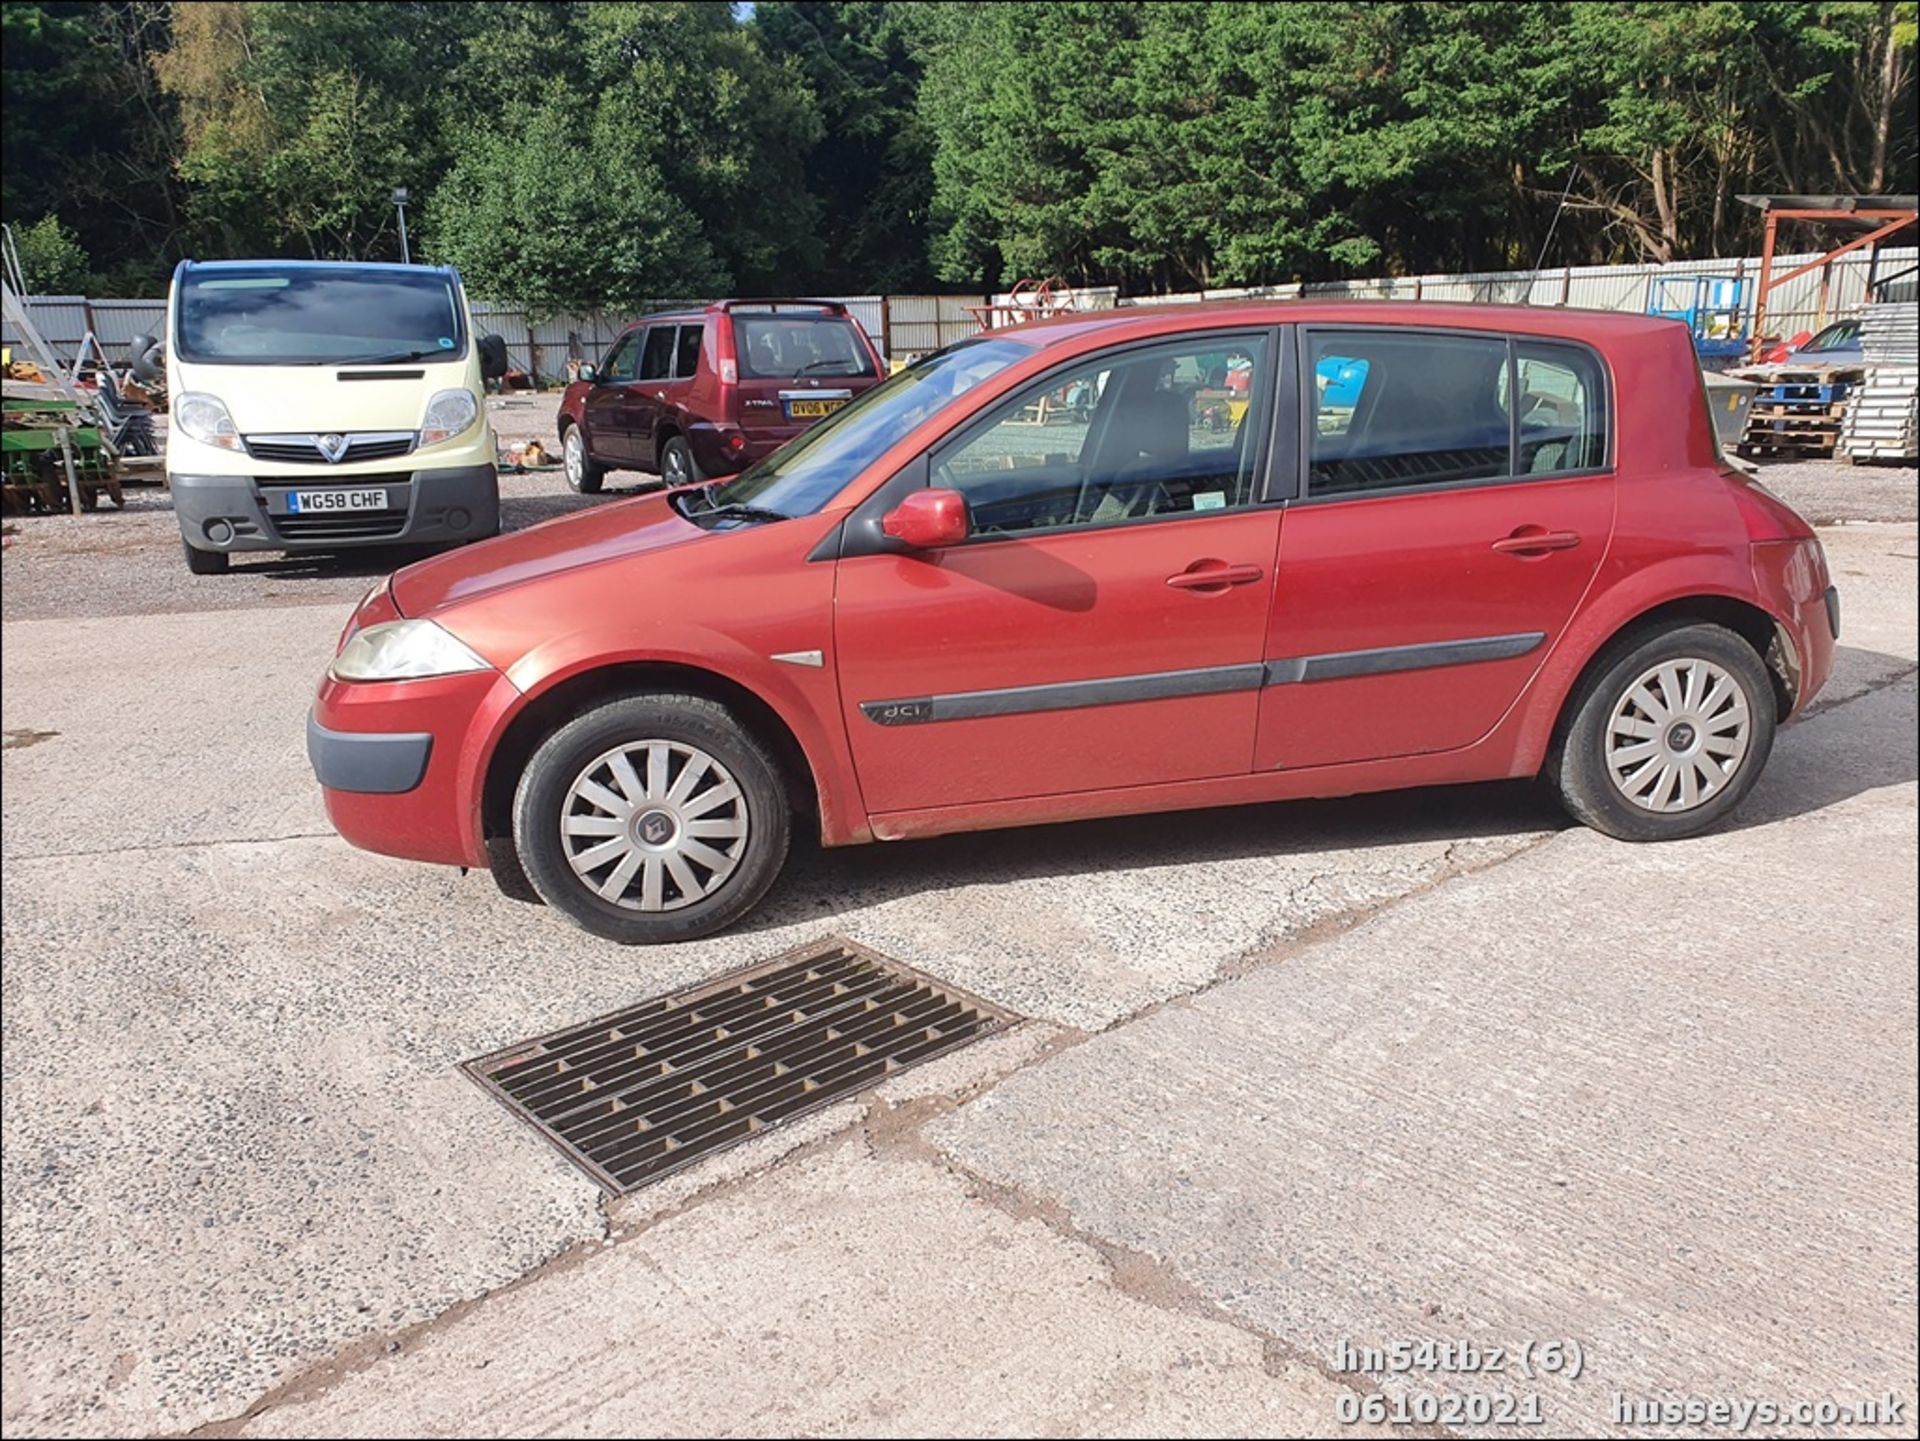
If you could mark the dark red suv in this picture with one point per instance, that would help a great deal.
(696, 393)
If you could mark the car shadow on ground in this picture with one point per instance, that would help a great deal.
(817, 878)
(1846, 760)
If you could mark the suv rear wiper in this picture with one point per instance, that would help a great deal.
(853, 366)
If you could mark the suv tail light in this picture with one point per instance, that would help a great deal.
(726, 358)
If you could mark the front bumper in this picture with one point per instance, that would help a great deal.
(250, 512)
(393, 762)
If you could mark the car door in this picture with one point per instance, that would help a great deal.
(1103, 625)
(646, 398)
(1458, 500)
(604, 407)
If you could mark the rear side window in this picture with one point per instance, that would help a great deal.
(1394, 409)
(688, 362)
(656, 360)
(786, 347)
(1563, 408)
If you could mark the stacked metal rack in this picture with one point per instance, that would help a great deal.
(1883, 419)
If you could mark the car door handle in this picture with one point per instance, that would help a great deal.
(1536, 540)
(1212, 575)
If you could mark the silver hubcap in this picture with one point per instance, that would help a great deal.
(1678, 736)
(654, 825)
(576, 456)
(676, 466)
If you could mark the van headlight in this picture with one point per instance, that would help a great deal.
(204, 418)
(449, 413)
(404, 650)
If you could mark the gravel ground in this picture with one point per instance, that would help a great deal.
(128, 562)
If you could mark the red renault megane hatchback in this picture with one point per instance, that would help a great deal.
(1141, 560)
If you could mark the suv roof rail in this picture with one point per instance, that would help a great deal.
(832, 307)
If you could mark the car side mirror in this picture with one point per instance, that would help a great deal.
(929, 520)
(590, 373)
(493, 357)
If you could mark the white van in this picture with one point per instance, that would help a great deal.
(315, 405)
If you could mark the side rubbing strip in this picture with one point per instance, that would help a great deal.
(1340, 665)
(1213, 680)
(1065, 695)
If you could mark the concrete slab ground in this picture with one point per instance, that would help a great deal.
(1295, 1074)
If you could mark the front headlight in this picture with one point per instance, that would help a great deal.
(404, 650)
(204, 418)
(449, 413)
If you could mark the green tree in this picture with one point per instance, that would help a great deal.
(872, 170)
(52, 259)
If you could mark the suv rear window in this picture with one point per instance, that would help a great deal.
(782, 347)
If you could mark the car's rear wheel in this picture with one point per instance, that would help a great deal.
(1667, 735)
(583, 475)
(204, 562)
(677, 465)
(652, 818)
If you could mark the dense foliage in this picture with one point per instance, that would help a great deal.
(566, 153)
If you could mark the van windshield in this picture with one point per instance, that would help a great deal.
(280, 315)
(807, 472)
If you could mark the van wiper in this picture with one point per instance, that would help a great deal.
(392, 359)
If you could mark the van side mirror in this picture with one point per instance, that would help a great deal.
(929, 520)
(493, 357)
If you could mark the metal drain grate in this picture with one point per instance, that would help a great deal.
(639, 1094)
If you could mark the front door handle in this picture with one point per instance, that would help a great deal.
(1214, 575)
(1536, 540)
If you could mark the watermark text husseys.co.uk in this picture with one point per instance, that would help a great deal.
(1742, 1414)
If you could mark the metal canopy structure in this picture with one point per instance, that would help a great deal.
(1869, 219)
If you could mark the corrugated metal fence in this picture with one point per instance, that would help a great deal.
(906, 325)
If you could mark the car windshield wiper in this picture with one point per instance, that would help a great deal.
(682, 501)
(391, 359)
(735, 510)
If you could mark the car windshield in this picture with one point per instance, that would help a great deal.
(804, 475)
(1843, 335)
(281, 315)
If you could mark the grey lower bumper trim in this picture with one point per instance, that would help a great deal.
(384, 763)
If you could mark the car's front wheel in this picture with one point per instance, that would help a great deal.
(583, 475)
(652, 818)
(1667, 735)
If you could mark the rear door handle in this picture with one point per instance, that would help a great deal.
(1212, 575)
(1535, 540)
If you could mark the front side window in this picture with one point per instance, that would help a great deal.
(688, 362)
(656, 359)
(1159, 432)
(624, 359)
(1393, 409)
(318, 315)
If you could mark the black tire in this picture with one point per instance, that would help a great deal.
(204, 562)
(541, 799)
(1579, 765)
(583, 476)
(677, 465)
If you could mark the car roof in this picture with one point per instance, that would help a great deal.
(1147, 321)
(268, 262)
